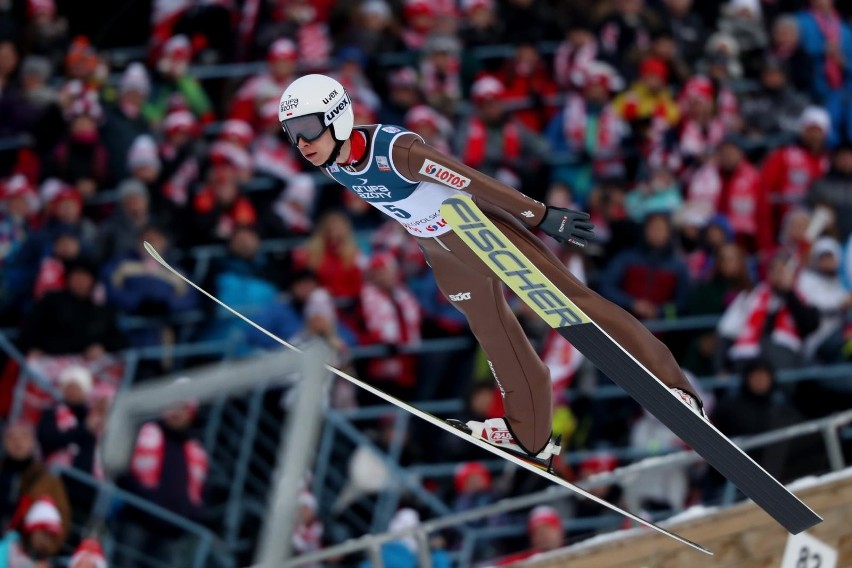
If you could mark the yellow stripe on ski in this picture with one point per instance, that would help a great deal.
(510, 264)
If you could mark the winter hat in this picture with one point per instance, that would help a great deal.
(469, 6)
(486, 88)
(543, 515)
(424, 114)
(825, 245)
(307, 499)
(381, 260)
(282, 49)
(376, 8)
(464, 472)
(404, 77)
(598, 72)
(79, 375)
(135, 78)
(698, 87)
(143, 152)
(403, 519)
(223, 152)
(237, 131)
(177, 48)
(301, 189)
(815, 116)
(415, 8)
(36, 65)
(656, 67)
(36, 7)
(179, 121)
(130, 187)
(43, 515)
(90, 549)
(442, 44)
(320, 303)
(19, 186)
(753, 6)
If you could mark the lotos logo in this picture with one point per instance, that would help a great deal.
(288, 104)
(460, 297)
(331, 115)
(330, 97)
(445, 176)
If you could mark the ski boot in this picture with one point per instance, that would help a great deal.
(495, 432)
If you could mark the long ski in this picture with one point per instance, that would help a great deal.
(551, 304)
(434, 420)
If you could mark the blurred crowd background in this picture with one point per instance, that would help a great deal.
(711, 143)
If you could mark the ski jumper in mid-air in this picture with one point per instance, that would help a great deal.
(396, 172)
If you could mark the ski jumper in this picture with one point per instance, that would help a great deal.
(408, 180)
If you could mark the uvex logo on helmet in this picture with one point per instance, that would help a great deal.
(444, 175)
(331, 115)
(330, 97)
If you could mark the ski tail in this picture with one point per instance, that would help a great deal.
(435, 421)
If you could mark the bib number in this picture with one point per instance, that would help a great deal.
(396, 211)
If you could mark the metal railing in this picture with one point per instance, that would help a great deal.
(371, 543)
(108, 496)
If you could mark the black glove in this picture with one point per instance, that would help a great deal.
(567, 226)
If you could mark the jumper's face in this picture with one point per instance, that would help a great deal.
(318, 151)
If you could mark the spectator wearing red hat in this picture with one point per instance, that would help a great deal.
(526, 78)
(169, 468)
(390, 316)
(19, 206)
(419, 19)
(82, 159)
(589, 110)
(480, 25)
(649, 96)
(431, 125)
(219, 207)
(281, 59)
(82, 62)
(789, 171)
(237, 132)
(546, 533)
(700, 129)
(123, 120)
(24, 480)
(42, 531)
(47, 31)
(172, 80)
(307, 534)
(64, 207)
(88, 555)
(179, 157)
(497, 146)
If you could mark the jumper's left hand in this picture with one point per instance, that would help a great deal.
(567, 226)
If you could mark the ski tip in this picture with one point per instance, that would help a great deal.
(152, 251)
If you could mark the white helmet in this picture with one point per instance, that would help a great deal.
(313, 103)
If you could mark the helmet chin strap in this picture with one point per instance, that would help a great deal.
(335, 152)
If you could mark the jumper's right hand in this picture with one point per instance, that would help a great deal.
(567, 226)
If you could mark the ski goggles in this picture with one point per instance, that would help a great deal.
(310, 127)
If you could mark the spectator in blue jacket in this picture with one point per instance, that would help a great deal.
(137, 285)
(827, 39)
(649, 280)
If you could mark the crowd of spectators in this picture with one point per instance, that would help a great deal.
(710, 142)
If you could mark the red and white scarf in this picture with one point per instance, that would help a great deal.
(562, 359)
(829, 25)
(147, 461)
(784, 331)
(391, 318)
(705, 193)
(575, 120)
(697, 141)
(570, 61)
(65, 420)
(477, 140)
(436, 83)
